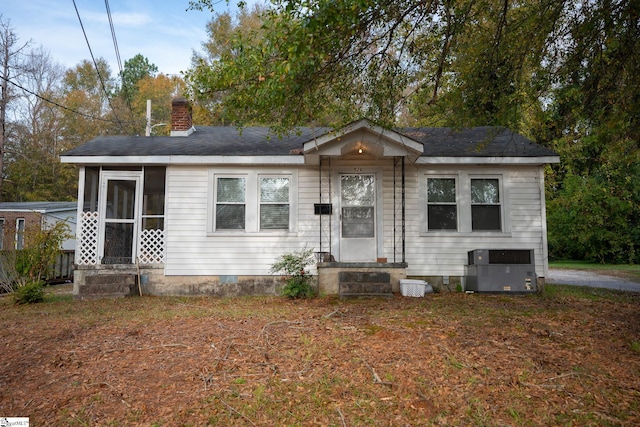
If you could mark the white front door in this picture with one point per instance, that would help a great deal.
(358, 240)
(119, 200)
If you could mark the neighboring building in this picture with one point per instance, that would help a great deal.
(207, 210)
(17, 217)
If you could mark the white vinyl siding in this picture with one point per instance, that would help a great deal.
(194, 247)
(443, 253)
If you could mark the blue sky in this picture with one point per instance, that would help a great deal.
(162, 30)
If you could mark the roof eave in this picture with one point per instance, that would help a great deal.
(183, 160)
(507, 160)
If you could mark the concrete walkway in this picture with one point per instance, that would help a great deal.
(561, 276)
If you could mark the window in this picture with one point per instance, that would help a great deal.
(1, 233)
(153, 198)
(358, 213)
(274, 203)
(230, 203)
(20, 233)
(442, 209)
(485, 205)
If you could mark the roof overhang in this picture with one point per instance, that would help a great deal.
(362, 138)
(488, 160)
(183, 160)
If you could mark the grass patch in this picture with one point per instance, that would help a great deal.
(557, 292)
(446, 359)
(625, 271)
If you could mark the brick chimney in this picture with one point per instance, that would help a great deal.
(181, 118)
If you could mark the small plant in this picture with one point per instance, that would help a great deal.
(293, 266)
(29, 293)
(24, 271)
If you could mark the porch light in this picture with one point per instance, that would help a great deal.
(359, 150)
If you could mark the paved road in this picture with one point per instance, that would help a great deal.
(563, 276)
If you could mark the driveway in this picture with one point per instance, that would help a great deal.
(561, 276)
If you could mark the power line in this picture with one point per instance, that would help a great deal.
(104, 88)
(113, 36)
(57, 104)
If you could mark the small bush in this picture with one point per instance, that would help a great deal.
(29, 293)
(293, 266)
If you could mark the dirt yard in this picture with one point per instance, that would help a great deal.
(446, 359)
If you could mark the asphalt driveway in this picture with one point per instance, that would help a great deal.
(561, 276)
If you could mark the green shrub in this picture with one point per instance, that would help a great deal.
(29, 293)
(293, 266)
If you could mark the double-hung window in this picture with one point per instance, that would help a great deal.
(442, 208)
(230, 203)
(485, 205)
(274, 203)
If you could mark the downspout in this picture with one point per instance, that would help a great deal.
(403, 212)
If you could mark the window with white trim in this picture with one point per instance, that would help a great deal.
(20, 224)
(274, 203)
(230, 203)
(485, 204)
(442, 208)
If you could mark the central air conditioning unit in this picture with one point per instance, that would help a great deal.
(500, 271)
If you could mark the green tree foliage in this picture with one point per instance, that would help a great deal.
(562, 72)
(135, 69)
(24, 271)
(345, 59)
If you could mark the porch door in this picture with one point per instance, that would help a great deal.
(358, 218)
(119, 211)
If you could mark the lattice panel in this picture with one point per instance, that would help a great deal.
(88, 245)
(151, 247)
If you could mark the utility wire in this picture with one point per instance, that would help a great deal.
(104, 88)
(57, 104)
(113, 36)
(115, 45)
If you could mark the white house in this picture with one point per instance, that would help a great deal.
(207, 210)
(17, 217)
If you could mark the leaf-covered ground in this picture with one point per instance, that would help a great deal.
(446, 359)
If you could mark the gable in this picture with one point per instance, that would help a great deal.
(362, 138)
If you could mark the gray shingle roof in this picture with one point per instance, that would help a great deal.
(259, 141)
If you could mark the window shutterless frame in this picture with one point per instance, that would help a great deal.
(486, 204)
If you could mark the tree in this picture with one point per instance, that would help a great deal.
(221, 31)
(135, 69)
(10, 68)
(32, 169)
(345, 59)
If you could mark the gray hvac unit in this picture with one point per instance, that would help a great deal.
(500, 271)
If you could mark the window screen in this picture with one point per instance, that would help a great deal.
(442, 210)
(230, 203)
(485, 205)
(274, 203)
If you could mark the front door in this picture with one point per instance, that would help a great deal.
(119, 209)
(358, 218)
